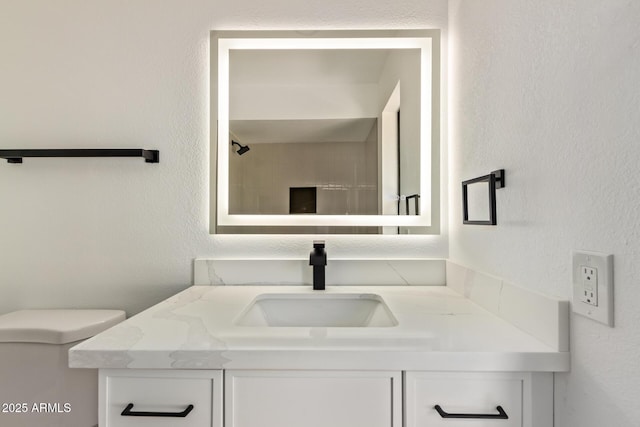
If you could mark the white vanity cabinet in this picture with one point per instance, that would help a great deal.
(160, 398)
(313, 398)
(475, 399)
(320, 398)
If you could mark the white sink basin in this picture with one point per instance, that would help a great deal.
(317, 310)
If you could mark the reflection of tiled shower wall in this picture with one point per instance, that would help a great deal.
(345, 174)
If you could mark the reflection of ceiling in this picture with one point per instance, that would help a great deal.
(324, 67)
(288, 131)
(321, 95)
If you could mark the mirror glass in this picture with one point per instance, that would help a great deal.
(324, 133)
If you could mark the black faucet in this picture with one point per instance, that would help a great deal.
(318, 259)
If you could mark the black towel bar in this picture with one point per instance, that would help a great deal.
(15, 156)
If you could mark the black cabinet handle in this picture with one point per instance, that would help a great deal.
(128, 412)
(501, 415)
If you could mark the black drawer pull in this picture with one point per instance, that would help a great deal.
(501, 415)
(128, 412)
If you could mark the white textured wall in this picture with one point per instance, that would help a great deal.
(548, 90)
(118, 232)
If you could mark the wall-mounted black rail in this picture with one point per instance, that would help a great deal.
(15, 156)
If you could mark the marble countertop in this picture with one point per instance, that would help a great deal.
(438, 329)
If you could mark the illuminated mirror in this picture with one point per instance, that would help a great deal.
(326, 132)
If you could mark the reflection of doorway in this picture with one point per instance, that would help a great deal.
(389, 183)
(399, 157)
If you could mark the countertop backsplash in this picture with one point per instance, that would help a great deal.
(348, 272)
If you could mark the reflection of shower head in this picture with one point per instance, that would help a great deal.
(243, 148)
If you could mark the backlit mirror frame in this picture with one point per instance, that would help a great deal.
(428, 41)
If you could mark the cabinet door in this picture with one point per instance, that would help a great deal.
(312, 399)
(134, 398)
(463, 400)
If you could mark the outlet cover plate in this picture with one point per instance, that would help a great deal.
(603, 264)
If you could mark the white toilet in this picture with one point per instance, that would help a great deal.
(37, 388)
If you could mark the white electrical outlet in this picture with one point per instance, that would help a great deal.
(589, 281)
(593, 286)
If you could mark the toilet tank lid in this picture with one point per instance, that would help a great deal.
(56, 326)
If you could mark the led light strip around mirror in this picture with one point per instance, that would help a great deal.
(225, 45)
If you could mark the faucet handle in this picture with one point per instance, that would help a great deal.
(318, 244)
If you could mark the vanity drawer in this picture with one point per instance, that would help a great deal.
(312, 398)
(464, 400)
(161, 398)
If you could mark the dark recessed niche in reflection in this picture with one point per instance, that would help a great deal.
(302, 200)
(479, 198)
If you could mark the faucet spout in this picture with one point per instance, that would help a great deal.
(318, 259)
